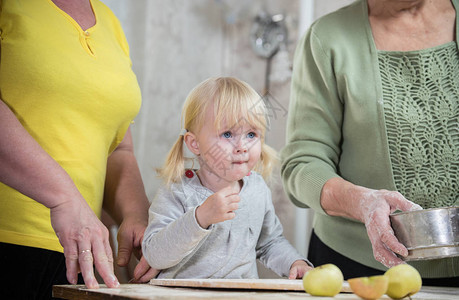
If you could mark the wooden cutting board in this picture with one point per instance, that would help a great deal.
(257, 284)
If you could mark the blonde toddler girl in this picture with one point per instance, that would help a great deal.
(216, 221)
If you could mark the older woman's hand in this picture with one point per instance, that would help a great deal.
(86, 243)
(375, 208)
(372, 207)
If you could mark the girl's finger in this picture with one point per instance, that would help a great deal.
(230, 215)
(141, 269)
(233, 206)
(293, 273)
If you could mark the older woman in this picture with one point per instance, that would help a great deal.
(374, 122)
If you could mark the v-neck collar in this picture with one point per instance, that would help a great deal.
(73, 21)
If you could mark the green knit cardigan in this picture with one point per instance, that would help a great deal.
(336, 128)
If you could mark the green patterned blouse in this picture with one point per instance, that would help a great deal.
(421, 110)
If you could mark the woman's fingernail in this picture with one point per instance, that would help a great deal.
(94, 285)
(115, 281)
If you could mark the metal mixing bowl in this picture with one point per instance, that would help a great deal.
(429, 233)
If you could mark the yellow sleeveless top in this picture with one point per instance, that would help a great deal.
(74, 91)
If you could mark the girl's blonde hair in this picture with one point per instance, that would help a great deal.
(234, 101)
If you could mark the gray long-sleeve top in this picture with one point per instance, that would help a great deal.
(175, 243)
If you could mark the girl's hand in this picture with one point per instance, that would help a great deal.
(298, 269)
(143, 272)
(218, 208)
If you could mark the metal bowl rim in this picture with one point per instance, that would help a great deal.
(424, 210)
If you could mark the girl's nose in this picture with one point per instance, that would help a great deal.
(240, 147)
(241, 150)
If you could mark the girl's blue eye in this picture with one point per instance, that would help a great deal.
(251, 135)
(226, 134)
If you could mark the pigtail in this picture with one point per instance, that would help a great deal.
(174, 166)
(268, 160)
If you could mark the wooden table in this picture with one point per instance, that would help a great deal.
(148, 291)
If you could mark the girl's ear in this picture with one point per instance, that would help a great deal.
(192, 143)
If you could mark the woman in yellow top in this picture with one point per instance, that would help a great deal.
(67, 97)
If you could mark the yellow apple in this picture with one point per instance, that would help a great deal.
(369, 288)
(325, 280)
(404, 281)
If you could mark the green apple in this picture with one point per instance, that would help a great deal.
(404, 281)
(369, 288)
(325, 280)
